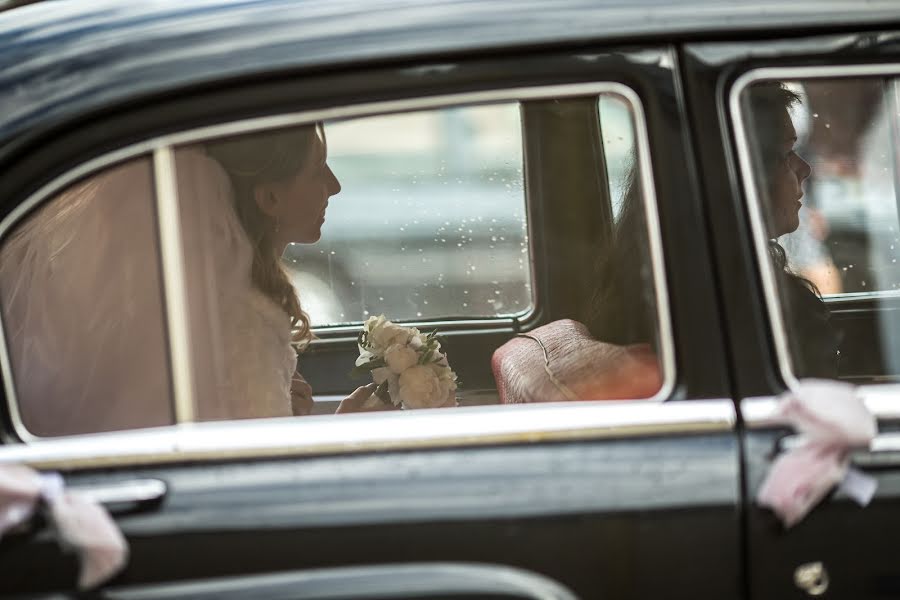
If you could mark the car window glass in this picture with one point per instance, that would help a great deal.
(430, 222)
(82, 308)
(419, 217)
(824, 161)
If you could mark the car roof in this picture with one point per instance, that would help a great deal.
(63, 57)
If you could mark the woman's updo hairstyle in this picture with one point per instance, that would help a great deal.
(259, 158)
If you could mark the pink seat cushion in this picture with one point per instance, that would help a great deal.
(584, 368)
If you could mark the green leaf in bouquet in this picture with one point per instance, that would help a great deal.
(426, 356)
(363, 340)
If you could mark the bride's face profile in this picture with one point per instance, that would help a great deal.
(297, 204)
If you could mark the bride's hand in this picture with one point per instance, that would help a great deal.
(354, 402)
(301, 396)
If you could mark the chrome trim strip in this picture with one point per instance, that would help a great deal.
(856, 296)
(136, 490)
(886, 442)
(401, 580)
(175, 292)
(15, 416)
(437, 428)
(757, 224)
(176, 443)
(882, 400)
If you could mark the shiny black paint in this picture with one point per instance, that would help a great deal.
(635, 518)
(598, 516)
(750, 351)
(632, 518)
(855, 544)
(60, 58)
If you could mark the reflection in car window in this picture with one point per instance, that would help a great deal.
(826, 177)
(418, 216)
(82, 308)
(780, 173)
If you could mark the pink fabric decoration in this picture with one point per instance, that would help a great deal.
(82, 524)
(833, 419)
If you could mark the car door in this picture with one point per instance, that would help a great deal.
(628, 499)
(846, 87)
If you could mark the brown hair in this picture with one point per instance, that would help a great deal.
(251, 160)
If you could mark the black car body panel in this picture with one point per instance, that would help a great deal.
(645, 512)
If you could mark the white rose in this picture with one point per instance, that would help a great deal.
(400, 358)
(447, 382)
(383, 333)
(421, 388)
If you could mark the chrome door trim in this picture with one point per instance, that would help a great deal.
(418, 429)
(133, 490)
(402, 580)
(882, 400)
(578, 420)
(757, 224)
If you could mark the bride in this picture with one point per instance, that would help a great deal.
(250, 196)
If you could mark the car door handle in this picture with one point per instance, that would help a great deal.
(134, 492)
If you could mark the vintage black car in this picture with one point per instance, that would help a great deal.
(491, 156)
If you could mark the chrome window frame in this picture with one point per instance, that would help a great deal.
(582, 419)
(754, 205)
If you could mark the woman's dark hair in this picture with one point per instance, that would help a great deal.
(766, 106)
(813, 340)
(622, 308)
(251, 160)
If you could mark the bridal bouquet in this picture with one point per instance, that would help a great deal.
(408, 366)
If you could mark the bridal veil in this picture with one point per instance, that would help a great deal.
(83, 307)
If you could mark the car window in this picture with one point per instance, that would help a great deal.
(823, 156)
(415, 230)
(430, 221)
(82, 308)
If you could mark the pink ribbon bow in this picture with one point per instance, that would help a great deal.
(832, 419)
(82, 524)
